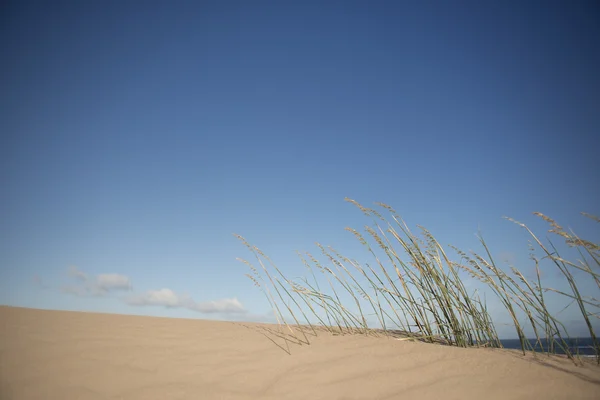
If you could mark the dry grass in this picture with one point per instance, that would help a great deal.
(413, 285)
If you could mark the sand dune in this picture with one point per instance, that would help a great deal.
(69, 355)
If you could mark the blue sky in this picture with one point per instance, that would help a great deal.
(137, 137)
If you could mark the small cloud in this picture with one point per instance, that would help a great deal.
(76, 273)
(162, 297)
(220, 306)
(78, 291)
(168, 298)
(100, 285)
(113, 282)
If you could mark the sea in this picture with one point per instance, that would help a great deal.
(584, 347)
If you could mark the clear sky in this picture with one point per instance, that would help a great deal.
(138, 136)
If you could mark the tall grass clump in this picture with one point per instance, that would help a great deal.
(413, 287)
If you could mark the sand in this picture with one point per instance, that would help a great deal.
(74, 355)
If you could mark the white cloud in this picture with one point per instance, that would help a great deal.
(76, 273)
(80, 291)
(113, 282)
(104, 284)
(220, 306)
(170, 299)
(99, 285)
(162, 297)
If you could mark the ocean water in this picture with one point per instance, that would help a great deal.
(582, 346)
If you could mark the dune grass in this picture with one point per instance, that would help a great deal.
(413, 287)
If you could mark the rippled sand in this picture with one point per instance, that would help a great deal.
(69, 355)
